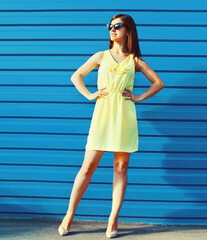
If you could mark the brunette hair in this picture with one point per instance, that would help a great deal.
(132, 42)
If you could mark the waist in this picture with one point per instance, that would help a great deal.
(115, 91)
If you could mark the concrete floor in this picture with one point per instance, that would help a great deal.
(46, 229)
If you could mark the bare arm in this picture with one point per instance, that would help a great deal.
(157, 83)
(82, 71)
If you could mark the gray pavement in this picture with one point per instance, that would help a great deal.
(46, 229)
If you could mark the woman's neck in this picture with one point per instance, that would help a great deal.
(119, 48)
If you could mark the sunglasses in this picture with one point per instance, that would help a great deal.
(116, 26)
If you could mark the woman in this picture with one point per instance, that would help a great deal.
(114, 122)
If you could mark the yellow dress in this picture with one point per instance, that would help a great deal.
(114, 121)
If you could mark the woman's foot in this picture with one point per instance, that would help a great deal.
(62, 231)
(111, 235)
(65, 225)
(112, 227)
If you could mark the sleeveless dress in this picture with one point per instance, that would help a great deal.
(114, 121)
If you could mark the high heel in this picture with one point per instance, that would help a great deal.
(62, 231)
(111, 234)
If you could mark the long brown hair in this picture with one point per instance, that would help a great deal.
(132, 42)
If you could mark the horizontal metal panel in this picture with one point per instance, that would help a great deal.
(75, 158)
(95, 207)
(94, 191)
(81, 126)
(92, 4)
(81, 110)
(78, 142)
(67, 48)
(103, 17)
(58, 78)
(73, 62)
(53, 47)
(135, 176)
(100, 32)
(70, 94)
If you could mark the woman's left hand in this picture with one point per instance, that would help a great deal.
(131, 96)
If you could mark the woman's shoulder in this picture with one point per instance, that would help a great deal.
(99, 56)
(139, 61)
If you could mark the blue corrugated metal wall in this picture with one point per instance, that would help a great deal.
(44, 120)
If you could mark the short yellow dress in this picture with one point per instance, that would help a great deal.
(114, 122)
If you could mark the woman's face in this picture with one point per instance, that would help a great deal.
(119, 34)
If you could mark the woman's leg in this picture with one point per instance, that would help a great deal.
(121, 161)
(82, 180)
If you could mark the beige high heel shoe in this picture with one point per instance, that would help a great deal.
(111, 234)
(62, 231)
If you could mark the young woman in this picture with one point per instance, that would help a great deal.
(114, 122)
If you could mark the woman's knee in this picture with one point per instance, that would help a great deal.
(121, 167)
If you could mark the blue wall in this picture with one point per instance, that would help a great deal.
(44, 120)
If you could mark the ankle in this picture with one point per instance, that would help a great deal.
(67, 220)
(112, 223)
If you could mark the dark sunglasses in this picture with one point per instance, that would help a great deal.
(116, 26)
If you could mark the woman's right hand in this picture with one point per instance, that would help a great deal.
(97, 94)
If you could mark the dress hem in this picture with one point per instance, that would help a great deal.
(111, 150)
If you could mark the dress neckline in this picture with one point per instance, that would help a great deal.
(115, 60)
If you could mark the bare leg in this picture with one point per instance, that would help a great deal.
(82, 180)
(121, 161)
